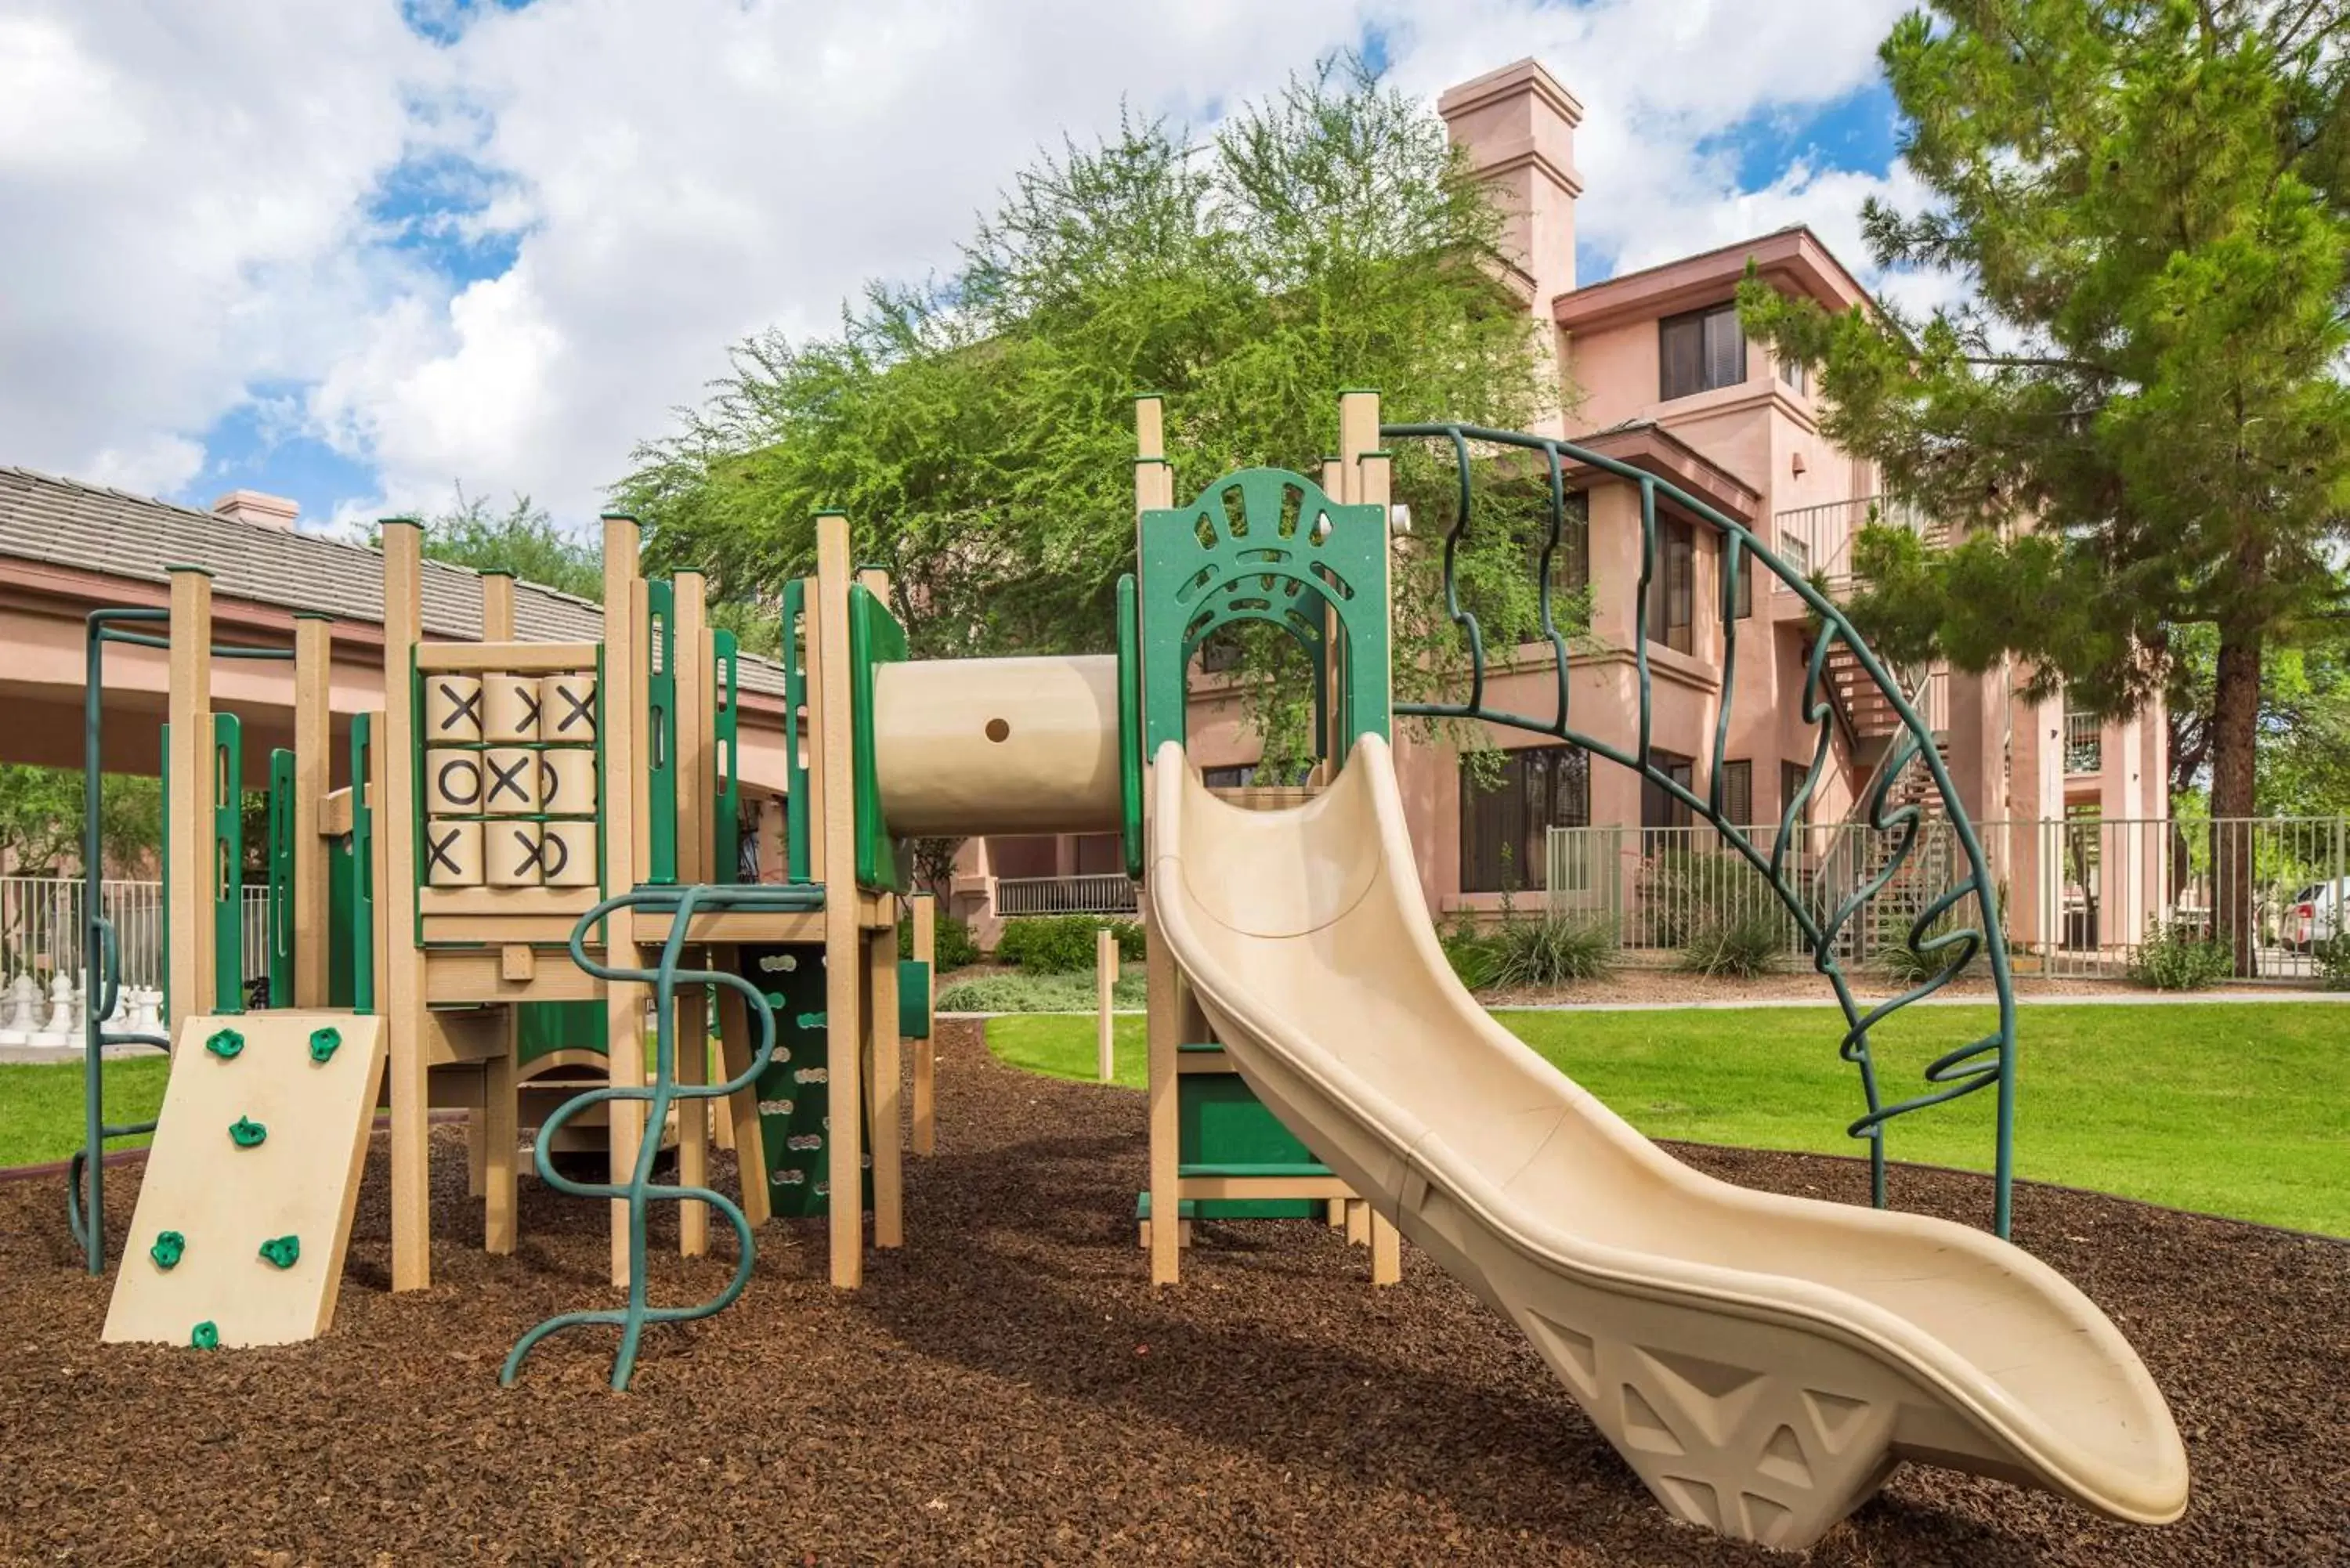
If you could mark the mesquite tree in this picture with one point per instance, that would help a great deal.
(2135, 418)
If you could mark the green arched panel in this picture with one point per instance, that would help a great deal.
(1264, 545)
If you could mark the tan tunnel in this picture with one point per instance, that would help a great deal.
(997, 745)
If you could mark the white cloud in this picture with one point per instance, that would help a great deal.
(672, 177)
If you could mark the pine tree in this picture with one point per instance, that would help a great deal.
(2136, 421)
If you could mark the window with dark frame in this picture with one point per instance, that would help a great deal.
(1791, 784)
(1228, 778)
(1505, 830)
(1738, 794)
(1661, 810)
(1699, 351)
(1672, 587)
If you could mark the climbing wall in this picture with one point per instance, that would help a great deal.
(246, 1210)
(794, 1100)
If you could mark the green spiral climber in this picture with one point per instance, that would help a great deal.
(640, 1191)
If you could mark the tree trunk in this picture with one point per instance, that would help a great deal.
(2235, 730)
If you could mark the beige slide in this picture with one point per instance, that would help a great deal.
(1762, 1362)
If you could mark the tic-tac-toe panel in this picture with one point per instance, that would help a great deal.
(245, 1211)
(566, 708)
(453, 853)
(452, 708)
(567, 781)
(510, 708)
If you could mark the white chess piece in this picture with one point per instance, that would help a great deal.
(58, 1032)
(22, 1011)
(146, 1018)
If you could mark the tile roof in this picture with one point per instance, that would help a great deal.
(90, 528)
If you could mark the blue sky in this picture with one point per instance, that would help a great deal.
(470, 242)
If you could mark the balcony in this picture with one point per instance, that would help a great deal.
(2084, 743)
(1088, 895)
(1816, 540)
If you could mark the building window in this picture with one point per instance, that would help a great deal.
(1738, 794)
(1672, 587)
(1661, 810)
(1700, 351)
(1570, 569)
(1505, 830)
(1791, 784)
(1228, 778)
(1792, 375)
(1743, 605)
(1219, 652)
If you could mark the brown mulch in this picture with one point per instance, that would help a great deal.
(1009, 1388)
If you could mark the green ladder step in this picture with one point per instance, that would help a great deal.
(1214, 1168)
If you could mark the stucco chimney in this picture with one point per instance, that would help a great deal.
(252, 506)
(1517, 125)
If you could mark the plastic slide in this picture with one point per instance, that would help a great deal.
(1763, 1362)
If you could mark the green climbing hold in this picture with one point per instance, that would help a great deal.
(323, 1043)
(246, 1133)
(812, 1021)
(225, 1043)
(205, 1335)
(284, 1251)
(167, 1249)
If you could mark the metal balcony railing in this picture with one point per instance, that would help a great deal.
(2084, 743)
(1816, 540)
(1088, 895)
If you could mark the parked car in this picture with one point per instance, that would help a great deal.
(2315, 913)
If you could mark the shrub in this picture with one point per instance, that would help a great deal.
(2178, 956)
(1737, 947)
(1472, 958)
(2333, 958)
(1686, 892)
(1019, 992)
(952, 945)
(1905, 964)
(1551, 950)
(1061, 944)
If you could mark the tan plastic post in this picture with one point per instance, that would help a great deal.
(399, 965)
(1154, 488)
(314, 653)
(844, 954)
(1104, 980)
(482, 1169)
(624, 826)
(926, 1052)
(189, 968)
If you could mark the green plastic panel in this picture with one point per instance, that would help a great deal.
(281, 877)
(875, 637)
(1129, 722)
(914, 999)
(226, 867)
(796, 818)
(358, 928)
(1264, 545)
(660, 725)
(543, 1028)
(794, 1100)
(726, 807)
(1220, 1122)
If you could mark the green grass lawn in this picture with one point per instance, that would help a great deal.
(41, 1107)
(2235, 1109)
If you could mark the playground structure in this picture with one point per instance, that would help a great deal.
(1763, 1363)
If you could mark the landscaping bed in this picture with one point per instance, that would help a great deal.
(1009, 1388)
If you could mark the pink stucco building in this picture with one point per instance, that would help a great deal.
(1654, 372)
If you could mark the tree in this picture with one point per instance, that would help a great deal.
(2303, 762)
(41, 820)
(978, 431)
(523, 539)
(2137, 420)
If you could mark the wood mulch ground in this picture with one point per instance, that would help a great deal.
(1009, 1389)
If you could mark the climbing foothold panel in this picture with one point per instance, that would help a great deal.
(221, 1202)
